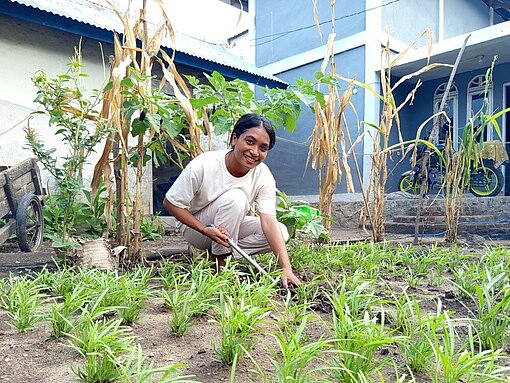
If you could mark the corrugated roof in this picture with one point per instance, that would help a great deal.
(103, 17)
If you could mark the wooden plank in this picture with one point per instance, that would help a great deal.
(7, 230)
(20, 182)
(9, 192)
(4, 207)
(3, 180)
(30, 188)
(36, 175)
(19, 169)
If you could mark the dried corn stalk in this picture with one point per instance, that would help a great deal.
(326, 136)
(140, 59)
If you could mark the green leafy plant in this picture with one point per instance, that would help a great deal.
(297, 216)
(295, 354)
(72, 111)
(493, 306)
(415, 326)
(180, 300)
(103, 344)
(136, 370)
(357, 341)
(238, 321)
(133, 289)
(61, 314)
(152, 228)
(23, 300)
(455, 362)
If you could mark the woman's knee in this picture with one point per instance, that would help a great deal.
(234, 199)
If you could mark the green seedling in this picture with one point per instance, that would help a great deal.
(103, 344)
(133, 291)
(295, 355)
(454, 362)
(357, 341)
(238, 321)
(61, 314)
(137, 370)
(181, 302)
(23, 300)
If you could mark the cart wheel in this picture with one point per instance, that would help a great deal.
(29, 223)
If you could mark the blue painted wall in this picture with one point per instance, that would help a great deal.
(287, 160)
(285, 28)
(462, 16)
(400, 19)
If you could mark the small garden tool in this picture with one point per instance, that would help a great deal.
(249, 259)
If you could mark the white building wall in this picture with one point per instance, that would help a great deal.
(31, 48)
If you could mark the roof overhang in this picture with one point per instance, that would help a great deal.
(71, 16)
(482, 46)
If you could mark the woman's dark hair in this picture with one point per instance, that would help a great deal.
(252, 120)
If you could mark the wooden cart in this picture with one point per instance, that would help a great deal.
(21, 197)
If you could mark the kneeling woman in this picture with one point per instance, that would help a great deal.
(213, 196)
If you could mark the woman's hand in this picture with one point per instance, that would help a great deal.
(218, 234)
(288, 278)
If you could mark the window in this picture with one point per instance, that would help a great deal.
(447, 127)
(476, 102)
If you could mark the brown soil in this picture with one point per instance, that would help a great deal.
(34, 357)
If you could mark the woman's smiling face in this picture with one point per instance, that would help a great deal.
(250, 148)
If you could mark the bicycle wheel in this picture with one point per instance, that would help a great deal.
(407, 184)
(29, 223)
(486, 181)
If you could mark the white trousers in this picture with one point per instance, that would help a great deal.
(230, 211)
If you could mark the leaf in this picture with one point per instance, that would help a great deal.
(290, 123)
(139, 127)
(126, 82)
(221, 124)
(204, 101)
(108, 87)
(154, 120)
(169, 125)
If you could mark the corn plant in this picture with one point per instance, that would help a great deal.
(136, 370)
(61, 314)
(103, 344)
(238, 321)
(455, 362)
(296, 359)
(181, 300)
(493, 306)
(357, 341)
(23, 300)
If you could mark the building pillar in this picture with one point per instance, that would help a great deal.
(373, 19)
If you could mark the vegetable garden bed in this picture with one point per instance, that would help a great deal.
(367, 313)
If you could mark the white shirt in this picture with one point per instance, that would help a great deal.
(206, 178)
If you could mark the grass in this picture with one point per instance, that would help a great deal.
(366, 313)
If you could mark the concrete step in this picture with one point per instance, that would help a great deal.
(432, 219)
(499, 230)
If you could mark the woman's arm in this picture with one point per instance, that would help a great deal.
(274, 237)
